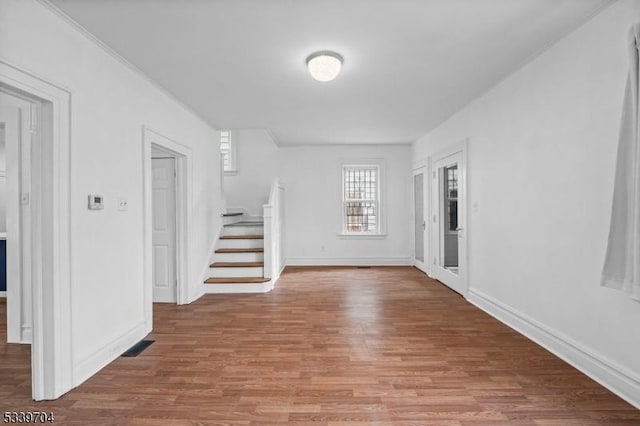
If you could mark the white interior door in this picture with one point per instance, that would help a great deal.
(164, 230)
(420, 199)
(448, 189)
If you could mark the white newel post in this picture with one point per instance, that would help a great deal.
(268, 240)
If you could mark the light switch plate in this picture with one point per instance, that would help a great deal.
(123, 204)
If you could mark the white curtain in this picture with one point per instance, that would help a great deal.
(622, 263)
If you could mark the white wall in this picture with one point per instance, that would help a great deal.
(256, 163)
(109, 105)
(313, 181)
(541, 166)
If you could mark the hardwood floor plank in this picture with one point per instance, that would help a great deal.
(328, 346)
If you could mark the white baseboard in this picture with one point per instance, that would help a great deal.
(198, 293)
(102, 357)
(349, 261)
(3, 294)
(616, 378)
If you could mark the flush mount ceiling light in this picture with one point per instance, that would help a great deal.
(325, 65)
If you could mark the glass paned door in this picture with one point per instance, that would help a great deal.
(419, 216)
(448, 201)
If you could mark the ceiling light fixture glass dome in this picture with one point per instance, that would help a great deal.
(324, 65)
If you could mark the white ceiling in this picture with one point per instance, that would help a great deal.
(408, 64)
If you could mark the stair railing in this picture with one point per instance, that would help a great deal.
(273, 215)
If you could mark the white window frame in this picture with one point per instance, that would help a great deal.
(232, 169)
(379, 165)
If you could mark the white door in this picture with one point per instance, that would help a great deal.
(18, 129)
(164, 230)
(448, 189)
(420, 199)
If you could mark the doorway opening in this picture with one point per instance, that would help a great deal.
(167, 166)
(36, 117)
(19, 118)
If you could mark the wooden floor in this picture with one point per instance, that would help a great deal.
(340, 346)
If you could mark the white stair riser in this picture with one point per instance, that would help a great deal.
(238, 257)
(240, 243)
(238, 288)
(243, 230)
(236, 272)
(231, 219)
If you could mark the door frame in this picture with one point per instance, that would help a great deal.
(423, 166)
(51, 348)
(435, 211)
(183, 158)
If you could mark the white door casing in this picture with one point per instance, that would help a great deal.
(164, 230)
(153, 141)
(455, 156)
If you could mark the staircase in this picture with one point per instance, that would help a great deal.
(238, 260)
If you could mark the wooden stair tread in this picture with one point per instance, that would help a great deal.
(237, 280)
(237, 265)
(242, 237)
(240, 250)
(231, 214)
(244, 224)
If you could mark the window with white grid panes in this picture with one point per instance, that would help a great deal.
(226, 150)
(361, 199)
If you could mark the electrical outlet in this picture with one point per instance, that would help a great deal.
(123, 204)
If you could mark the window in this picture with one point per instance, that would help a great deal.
(227, 151)
(451, 197)
(361, 199)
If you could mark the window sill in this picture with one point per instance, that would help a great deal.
(230, 172)
(361, 236)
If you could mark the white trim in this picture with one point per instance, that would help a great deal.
(51, 352)
(349, 261)
(614, 377)
(3, 294)
(184, 184)
(107, 353)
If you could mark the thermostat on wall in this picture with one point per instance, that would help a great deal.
(95, 202)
